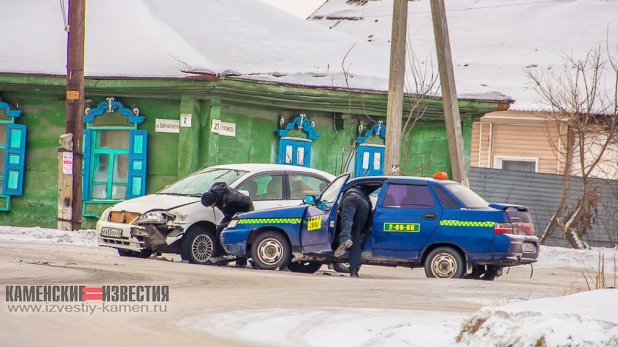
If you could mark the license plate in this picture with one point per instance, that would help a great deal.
(528, 247)
(111, 232)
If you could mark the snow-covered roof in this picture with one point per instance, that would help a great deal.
(494, 42)
(176, 39)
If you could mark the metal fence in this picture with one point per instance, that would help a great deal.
(542, 194)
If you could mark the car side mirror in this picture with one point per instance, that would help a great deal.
(309, 200)
(244, 192)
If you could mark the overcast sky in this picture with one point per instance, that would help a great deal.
(300, 8)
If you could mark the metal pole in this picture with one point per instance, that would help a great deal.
(449, 93)
(75, 101)
(395, 87)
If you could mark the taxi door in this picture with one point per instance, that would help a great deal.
(320, 219)
(406, 216)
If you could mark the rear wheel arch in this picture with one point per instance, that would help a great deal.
(442, 244)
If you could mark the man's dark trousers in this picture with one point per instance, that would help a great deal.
(355, 213)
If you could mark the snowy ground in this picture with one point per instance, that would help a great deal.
(584, 319)
(332, 327)
(387, 307)
(37, 234)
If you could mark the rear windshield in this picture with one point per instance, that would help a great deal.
(465, 195)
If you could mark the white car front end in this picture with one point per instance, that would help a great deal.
(153, 220)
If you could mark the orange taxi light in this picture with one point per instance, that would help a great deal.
(440, 176)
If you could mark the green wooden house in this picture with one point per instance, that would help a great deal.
(163, 99)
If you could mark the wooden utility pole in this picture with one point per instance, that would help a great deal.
(75, 103)
(449, 93)
(395, 87)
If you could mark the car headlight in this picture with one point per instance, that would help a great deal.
(233, 223)
(105, 214)
(155, 217)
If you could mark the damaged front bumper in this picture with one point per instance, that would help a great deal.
(142, 235)
(234, 241)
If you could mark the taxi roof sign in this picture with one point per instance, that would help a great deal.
(440, 175)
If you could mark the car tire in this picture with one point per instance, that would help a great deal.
(270, 251)
(198, 245)
(343, 268)
(143, 254)
(445, 262)
(305, 267)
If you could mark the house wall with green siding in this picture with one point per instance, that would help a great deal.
(171, 156)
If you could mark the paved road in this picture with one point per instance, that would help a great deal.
(197, 289)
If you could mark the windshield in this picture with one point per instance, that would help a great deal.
(467, 196)
(202, 181)
(330, 194)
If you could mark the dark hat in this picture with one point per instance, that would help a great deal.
(208, 199)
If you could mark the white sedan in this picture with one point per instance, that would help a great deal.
(174, 221)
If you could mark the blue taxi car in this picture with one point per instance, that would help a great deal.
(433, 223)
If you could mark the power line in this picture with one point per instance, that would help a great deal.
(460, 9)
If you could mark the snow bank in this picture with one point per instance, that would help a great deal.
(583, 319)
(37, 234)
(558, 257)
(331, 327)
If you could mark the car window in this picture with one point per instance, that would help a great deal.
(301, 185)
(264, 187)
(408, 196)
(445, 200)
(467, 196)
(200, 182)
(332, 191)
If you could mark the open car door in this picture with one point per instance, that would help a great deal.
(320, 219)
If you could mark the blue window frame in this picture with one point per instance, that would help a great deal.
(370, 157)
(369, 160)
(12, 155)
(115, 157)
(294, 150)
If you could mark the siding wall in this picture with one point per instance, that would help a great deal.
(515, 134)
(542, 192)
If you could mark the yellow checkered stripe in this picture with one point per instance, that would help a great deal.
(461, 223)
(270, 221)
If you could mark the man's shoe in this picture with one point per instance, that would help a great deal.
(353, 272)
(343, 248)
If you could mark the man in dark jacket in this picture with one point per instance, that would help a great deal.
(355, 218)
(230, 202)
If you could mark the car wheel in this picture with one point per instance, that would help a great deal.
(198, 246)
(445, 262)
(342, 267)
(143, 254)
(305, 267)
(271, 250)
